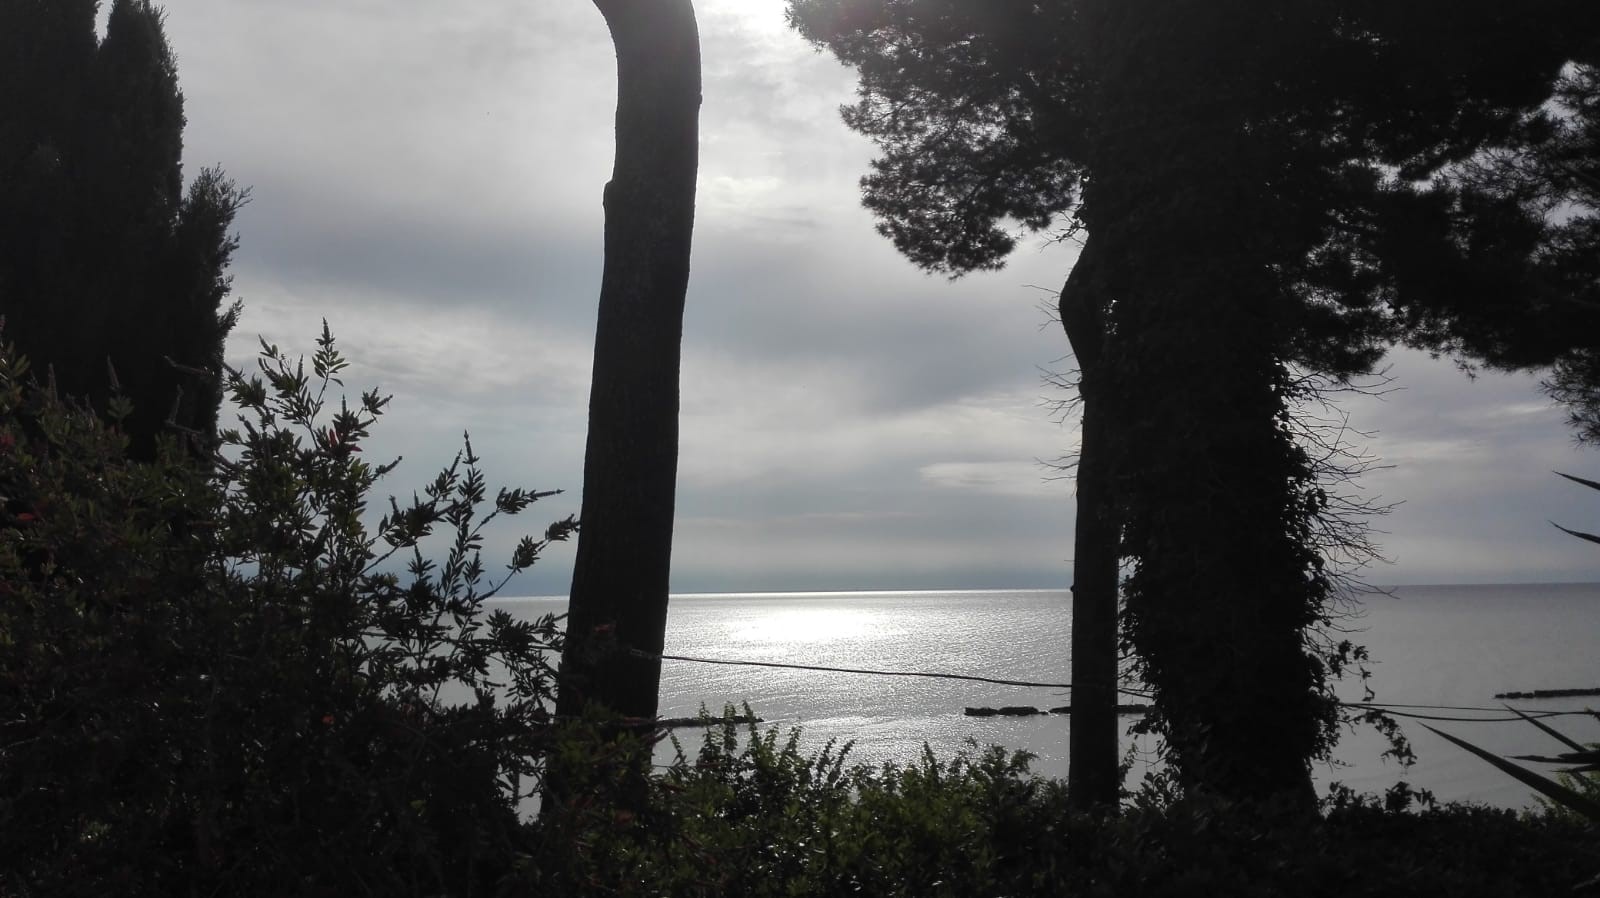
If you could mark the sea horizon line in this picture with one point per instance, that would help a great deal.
(1369, 589)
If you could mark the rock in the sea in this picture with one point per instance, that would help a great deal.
(1029, 711)
(669, 723)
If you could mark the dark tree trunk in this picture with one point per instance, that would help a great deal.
(1211, 489)
(1092, 778)
(1210, 485)
(619, 583)
(1224, 583)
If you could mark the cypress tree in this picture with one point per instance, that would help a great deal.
(106, 263)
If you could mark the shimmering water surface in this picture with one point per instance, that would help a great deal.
(1433, 645)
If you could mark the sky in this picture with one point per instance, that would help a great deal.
(427, 177)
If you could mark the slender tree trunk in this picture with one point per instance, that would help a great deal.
(1092, 780)
(619, 584)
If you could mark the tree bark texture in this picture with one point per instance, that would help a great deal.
(1092, 778)
(619, 582)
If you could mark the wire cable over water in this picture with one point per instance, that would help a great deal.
(857, 670)
(1397, 710)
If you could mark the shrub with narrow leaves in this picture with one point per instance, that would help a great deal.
(225, 682)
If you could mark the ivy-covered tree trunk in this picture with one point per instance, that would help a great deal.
(1092, 778)
(1223, 584)
(618, 609)
(1214, 491)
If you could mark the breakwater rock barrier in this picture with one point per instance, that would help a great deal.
(1550, 693)
(1029, 711)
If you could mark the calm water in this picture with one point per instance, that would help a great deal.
(1436, 645)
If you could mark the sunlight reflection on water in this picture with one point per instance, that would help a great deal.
(1435, 645)
(793, 626)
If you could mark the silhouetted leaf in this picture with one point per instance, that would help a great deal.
(1553, 732)
(1578, 533)
(1545, 786)
(1588, 483)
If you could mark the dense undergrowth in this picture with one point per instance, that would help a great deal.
(217, 679)
(756, 816)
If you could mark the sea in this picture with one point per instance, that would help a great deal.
(1442, 648)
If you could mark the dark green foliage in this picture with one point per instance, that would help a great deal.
(992, 116)
(1573, 383)
(1551, 173)
(750, 814)
(213, 684)
(103, 256)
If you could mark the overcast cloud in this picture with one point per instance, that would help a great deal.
(428, 176)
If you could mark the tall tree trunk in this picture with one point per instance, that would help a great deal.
(1211, 489)
(1092, 780)
(619, 584)
(1214, 494)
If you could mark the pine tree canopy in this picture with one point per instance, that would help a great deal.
(1356, 121)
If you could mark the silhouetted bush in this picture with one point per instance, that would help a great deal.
(753, 815)
(213, 684)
